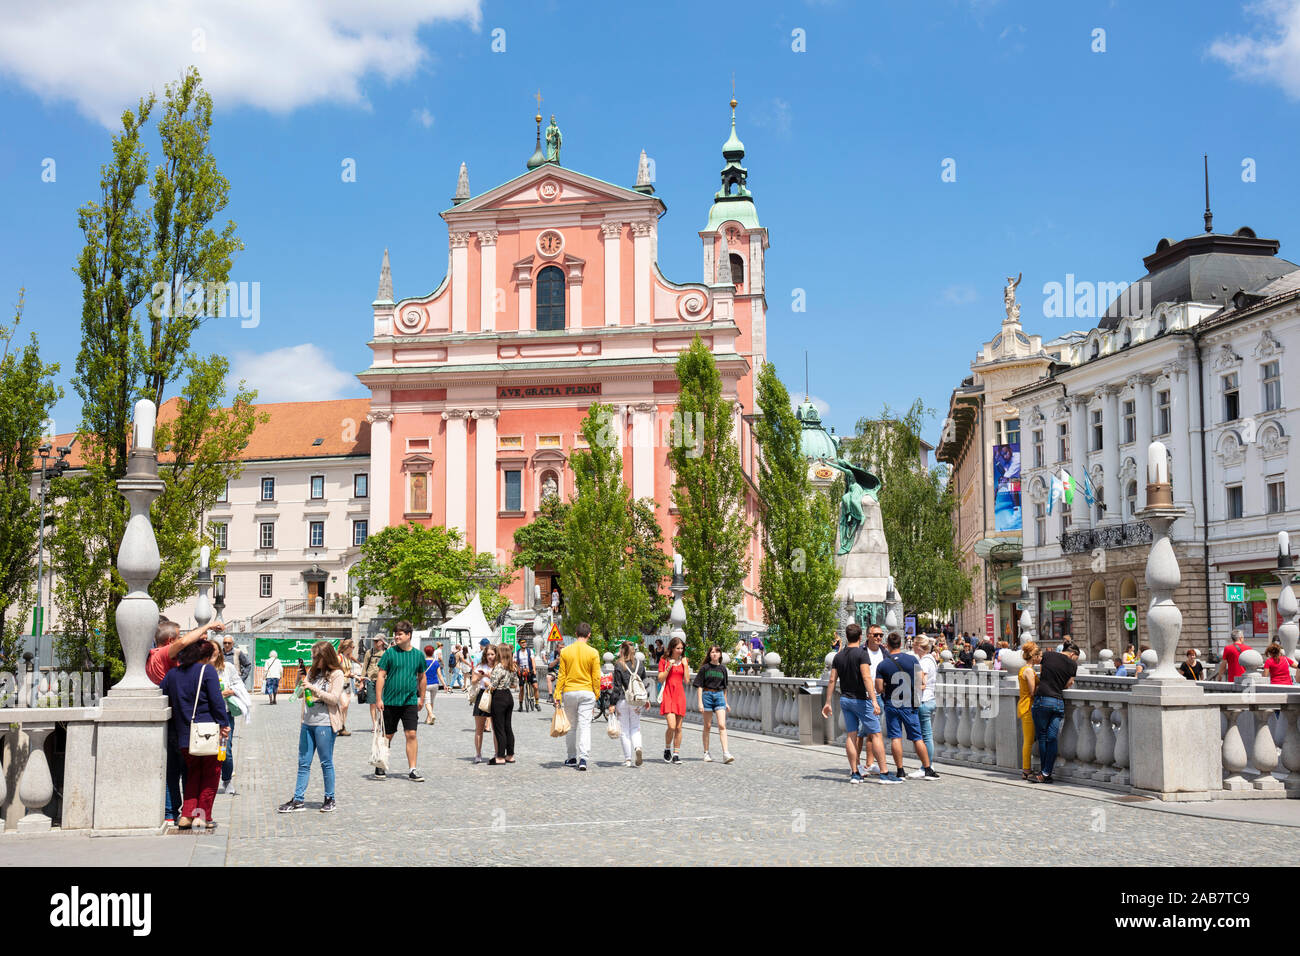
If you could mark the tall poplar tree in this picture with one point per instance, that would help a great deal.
(602, 578)
(27, 393)
(151, 272)
(798, 573)
(916, 507)
(709, 494)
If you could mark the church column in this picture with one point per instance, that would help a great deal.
(612, 231)
(525, 283)
(1111, 492)
(457, 468)
(644, 448)
(487, 286)
(380, 468)
(1181, 431)
(641, 272)
(460, 281)
(485, 480)
(1142, 401)
(1080, 514)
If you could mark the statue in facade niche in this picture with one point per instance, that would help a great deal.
(553, 140)
(550, 488)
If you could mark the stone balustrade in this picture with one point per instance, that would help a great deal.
(763, 705)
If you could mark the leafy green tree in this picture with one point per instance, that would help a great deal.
(540, 543)
(916, 507)
(420, 573)
(27, 393)
(151, 273)
(602, 578)
(652, 562)
(798, 573)
(711, 531)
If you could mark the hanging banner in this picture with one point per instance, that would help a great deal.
(1006, 484)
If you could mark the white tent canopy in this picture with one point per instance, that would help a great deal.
(469, 622)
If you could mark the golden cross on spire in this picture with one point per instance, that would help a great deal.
(539, 99)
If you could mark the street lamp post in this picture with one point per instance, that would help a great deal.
(48, 470)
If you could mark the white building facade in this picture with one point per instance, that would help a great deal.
(1198, 362)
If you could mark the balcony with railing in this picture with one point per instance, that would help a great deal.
(1127, 535)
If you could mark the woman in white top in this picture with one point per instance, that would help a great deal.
(271, 677)
(924, 650)
(351, 668)
(481, 679)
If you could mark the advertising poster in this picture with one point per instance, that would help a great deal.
(1006, 484)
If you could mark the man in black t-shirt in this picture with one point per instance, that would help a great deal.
(1058, 670)
(851, 667)
(900, 679)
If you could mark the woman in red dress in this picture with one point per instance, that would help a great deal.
(674, 672)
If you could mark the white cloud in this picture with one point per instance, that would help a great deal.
(275, 56)
(963, 294)
(776, 117)
(1271, 56)
(295, 373)
(797, 397)
(423, 117)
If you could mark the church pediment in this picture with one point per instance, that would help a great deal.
(547, 186)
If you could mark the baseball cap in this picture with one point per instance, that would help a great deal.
(484, 643)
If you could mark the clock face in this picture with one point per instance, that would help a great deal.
(550, 243)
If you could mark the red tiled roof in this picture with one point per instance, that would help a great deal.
(290, 431)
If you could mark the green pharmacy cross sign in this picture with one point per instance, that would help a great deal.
(1130, 619)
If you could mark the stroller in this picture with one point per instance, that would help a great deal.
(603, 706)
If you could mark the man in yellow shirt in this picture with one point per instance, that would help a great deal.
(576, 690)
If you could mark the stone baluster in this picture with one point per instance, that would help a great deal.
(1291, 746)
(937, 729)
(1234, 749)
(1105, 743)
(1264, 753)
(4, 772)
(963, 727)
(953, 725)
(1069, 741)
(1086, 747)
(35, 785)
(991, 733)
(1120, 717)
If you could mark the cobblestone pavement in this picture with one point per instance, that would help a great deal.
(775, 805)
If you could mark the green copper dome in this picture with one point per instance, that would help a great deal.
(733, 200)
(733, 150)
(814, 441)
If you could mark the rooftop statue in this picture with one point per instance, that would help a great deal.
(1009, 298)
(553, 140)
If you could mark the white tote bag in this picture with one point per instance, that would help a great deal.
(205, 738)
(379, 748)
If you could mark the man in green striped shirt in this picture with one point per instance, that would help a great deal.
(399, 693)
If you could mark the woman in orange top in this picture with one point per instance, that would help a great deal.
(1024, 704)
(674, 672)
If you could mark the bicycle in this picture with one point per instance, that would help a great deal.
(529, 696)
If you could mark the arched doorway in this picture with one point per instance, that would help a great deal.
(1096, 618)
(1128, 616)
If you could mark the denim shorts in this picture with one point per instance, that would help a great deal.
(900, 719)
(859, 717)
(715, 700)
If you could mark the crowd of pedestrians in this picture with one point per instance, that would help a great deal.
(886, 689)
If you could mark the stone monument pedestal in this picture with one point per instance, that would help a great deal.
(1170, 725)
(131, 760)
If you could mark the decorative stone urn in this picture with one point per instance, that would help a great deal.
(137, 558)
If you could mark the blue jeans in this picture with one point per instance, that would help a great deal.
(1049, 714)
(926, 715)
(228, 765)
(315, 740)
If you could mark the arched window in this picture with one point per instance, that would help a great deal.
(550, 300)
(737, 270)
(1128, 337)
(1131, 498)
(1096, 349)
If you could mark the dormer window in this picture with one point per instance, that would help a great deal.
(1128, 337)
(550, 300)
(1162, 327)
(1096, 349)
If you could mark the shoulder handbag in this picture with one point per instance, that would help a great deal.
(205, 738)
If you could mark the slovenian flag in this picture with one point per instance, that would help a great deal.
(1062, 490)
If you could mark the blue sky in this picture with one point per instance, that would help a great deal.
(1067, 160)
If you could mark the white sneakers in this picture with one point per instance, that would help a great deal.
(707, 758)
(726, 757)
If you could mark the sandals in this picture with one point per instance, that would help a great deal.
(210, 826)
(1026, 775)
(1039, 778)
(184, 823)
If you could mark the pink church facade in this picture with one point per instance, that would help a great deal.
(554, 300)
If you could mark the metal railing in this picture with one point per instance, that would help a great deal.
(1127, 535)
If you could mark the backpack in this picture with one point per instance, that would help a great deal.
(636, 692)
